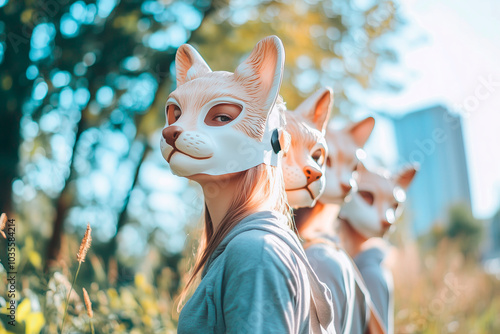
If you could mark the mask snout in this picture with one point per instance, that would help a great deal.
(195, 144)
(171, 133)
(312, 174)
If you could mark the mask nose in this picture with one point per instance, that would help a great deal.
(312, 174)
(345, 188)
(171, 133)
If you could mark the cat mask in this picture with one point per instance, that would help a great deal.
(221, 122)
(304, 162)
(376, 205)
(344, 148)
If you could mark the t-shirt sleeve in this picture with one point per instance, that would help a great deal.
(378, 287)
(329, 267)
(260, 289)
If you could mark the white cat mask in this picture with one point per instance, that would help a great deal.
(304, 162)
(344, 148)
(376, 205)
(222, 122)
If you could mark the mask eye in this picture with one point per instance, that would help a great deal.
(367, 196)
(328, 161)
(173, 113)
(222, 114)
(319, 156)
(355, 169)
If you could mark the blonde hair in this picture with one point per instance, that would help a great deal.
(259, 185)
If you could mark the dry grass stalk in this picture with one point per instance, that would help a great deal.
(3, 221)
(85, 245)
(82, 253)
(88, 304)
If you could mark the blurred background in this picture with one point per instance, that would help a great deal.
(82, 92)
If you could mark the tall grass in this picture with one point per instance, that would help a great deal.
(442, 291)
(437, 290)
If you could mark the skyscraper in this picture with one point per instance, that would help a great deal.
(432, 138)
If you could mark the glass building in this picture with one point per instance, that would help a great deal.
(433, 139)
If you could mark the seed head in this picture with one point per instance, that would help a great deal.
(3, 221)
(88, 304)
(85, 245)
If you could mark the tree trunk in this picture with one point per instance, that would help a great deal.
(109, 249)
(63, 203)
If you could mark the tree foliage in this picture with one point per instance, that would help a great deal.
(82, 81)
(464, 227)
(84, 85)
(82, 89)
(335, 43)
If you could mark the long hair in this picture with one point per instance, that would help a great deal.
(259, 185)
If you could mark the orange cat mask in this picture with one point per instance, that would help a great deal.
(344, 146)
(304, 163)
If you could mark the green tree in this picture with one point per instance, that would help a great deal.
(85, 82)
(78, 77)
(335, 43)
(463, 227)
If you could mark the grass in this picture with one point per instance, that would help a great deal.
(437, 290)
(442, 291)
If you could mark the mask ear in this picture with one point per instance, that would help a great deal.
(189, 64)
(262, 71)
(360, 132)
(317, 107)
(405, 176)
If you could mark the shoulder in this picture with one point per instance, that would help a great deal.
(324, 257)
(258, 247)
(252, 243)
(375, 277)
(370, 258)
(333, 267)
(261, 260)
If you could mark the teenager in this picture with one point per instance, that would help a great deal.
(365, 218)
(318, 227)
(225, 131)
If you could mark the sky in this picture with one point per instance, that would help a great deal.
(449, 53)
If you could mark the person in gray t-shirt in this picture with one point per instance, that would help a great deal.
(366, 216)
(224, 131)
(317, 226)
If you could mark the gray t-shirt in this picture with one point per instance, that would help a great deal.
(335, 269)
(258, 280)
(379, 283)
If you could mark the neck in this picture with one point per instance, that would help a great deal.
(351, 240)
(322, 221)
(220, 193)
(218, 199)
